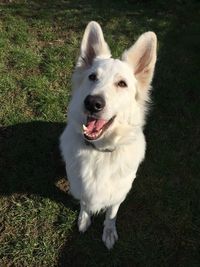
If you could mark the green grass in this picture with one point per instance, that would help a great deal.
(159, 223)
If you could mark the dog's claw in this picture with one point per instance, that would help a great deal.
(109, 236)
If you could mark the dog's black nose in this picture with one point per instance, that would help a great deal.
(94, 103)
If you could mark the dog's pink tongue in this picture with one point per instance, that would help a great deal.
(99, 124)
(94, 125)
(90, 125)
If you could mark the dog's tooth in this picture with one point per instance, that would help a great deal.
(84, 128)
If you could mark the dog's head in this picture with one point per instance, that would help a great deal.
(109, 95)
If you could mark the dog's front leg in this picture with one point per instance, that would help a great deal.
(109, 232)
(84, 220)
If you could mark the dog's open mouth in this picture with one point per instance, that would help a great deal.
(94, 127)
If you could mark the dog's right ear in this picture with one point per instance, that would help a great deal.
(93, 45)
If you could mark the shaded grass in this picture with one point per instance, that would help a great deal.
(159, 223)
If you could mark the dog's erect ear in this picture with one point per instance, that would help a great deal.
(142, 58)
(93, 45)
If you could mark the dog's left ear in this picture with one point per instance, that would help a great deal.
(142, 58)
(93, 45)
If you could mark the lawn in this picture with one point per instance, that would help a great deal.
(159, 223)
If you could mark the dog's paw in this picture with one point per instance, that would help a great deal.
(84, 222)
(109, 236)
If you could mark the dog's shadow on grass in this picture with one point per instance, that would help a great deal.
(31, 165)
(31, 161)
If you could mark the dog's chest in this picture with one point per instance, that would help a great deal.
(105, 178)
(100, 178)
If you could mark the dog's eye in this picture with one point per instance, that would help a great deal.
(122, 84)
(92, 77)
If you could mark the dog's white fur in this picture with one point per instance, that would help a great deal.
(102, 174)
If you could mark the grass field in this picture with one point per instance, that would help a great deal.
(159, 223)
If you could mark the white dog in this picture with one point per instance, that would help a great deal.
(103, 143)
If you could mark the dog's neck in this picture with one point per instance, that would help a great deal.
(94, 147)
